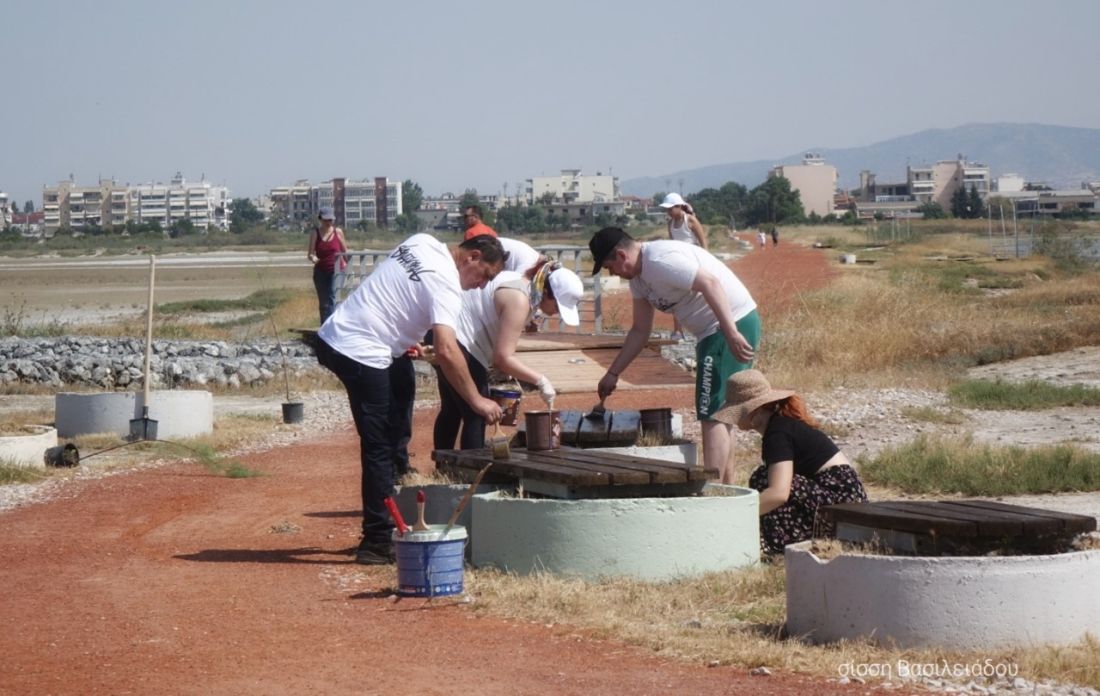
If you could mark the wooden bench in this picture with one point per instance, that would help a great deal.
(973, 527)
(571, 473)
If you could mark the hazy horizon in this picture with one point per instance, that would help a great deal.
(256, 94)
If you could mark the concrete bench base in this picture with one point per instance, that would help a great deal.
(179, 413)
(952, 602)
(29, 449)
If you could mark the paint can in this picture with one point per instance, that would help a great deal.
(293, 411)
(543, 430)
(66, 455)
(656, 422)
(509, 401)
(430, 563)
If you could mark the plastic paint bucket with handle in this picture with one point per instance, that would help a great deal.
(430, 563)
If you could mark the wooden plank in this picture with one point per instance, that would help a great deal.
(650, 471)
(577, 371)
(617, 475)
(557, 340)
(880, 516)
(989, 525)
(682, 470)
(1070, 523)
(517, 466)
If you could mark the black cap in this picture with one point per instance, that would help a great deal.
(603, 243)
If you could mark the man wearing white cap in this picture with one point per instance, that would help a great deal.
(492, 320)
(710, 302)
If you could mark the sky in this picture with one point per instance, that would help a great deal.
(254, 94)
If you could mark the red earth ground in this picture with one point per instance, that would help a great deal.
(173, 581)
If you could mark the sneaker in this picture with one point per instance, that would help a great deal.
(676, 336)
(374, 553)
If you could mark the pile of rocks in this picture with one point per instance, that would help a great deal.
(109, 363)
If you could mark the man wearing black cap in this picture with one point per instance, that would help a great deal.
(709, 301)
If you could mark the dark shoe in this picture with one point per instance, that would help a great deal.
(374, 553)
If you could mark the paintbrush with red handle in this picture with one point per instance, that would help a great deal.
(396, 515)
(420, 526)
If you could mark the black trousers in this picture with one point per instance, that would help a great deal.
(455, 413)
(381, 401)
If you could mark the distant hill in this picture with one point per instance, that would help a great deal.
(1059, 156)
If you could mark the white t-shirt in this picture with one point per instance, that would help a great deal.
(479, 322)
(520, 256)
(668, 271)
(416, 286)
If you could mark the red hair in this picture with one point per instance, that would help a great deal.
(794, 407)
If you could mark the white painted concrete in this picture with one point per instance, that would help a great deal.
(29, 449)
(643, 538)
(951, 602)
(180, 414)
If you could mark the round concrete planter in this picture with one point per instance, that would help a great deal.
(951, 602)
(643, 538)
(179, 413)
(28, 450)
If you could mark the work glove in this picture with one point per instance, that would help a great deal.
(546, 391)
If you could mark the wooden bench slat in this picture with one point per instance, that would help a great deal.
(876, 516)
(514, 466)
(617, 475)
(989, 525)
(1071, 523)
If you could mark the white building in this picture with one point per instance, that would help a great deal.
(111, 205)
(573, 187)
(814, 180)
(1007, 183)
(5, 210)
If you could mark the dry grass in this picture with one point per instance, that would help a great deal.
(733, 618)
(913, 322)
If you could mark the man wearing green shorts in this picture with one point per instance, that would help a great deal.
(707, 299)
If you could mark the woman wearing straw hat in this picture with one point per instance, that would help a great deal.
(803, 468)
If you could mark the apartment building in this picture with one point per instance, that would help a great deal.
(814, 180)
(372, 201)
(949, 175)
(109, 204)
(571, 186)
(5, 210)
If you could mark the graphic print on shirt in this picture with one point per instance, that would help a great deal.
(410, 262)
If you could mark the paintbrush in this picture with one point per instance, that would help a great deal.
(420, 526)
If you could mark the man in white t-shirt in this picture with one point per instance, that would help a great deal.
(417, 287)
(522, 257)
(709, 301)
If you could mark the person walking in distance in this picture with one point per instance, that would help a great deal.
(710, 302)
(326, 243)
(417, 287)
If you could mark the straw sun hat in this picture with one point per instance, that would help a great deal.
(747, 391)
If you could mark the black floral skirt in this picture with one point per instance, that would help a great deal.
(796, 520)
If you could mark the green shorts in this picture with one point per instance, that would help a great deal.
(714, 363)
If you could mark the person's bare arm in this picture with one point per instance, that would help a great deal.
(449, 359)
(778, 491)
(636, 339)
(512, 306)
(311, 249)
(698, 230)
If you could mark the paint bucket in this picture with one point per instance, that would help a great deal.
(656, 422)
(293, 411)
(509, 401)
(66, 455)
(543, 430)
(430, 563)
